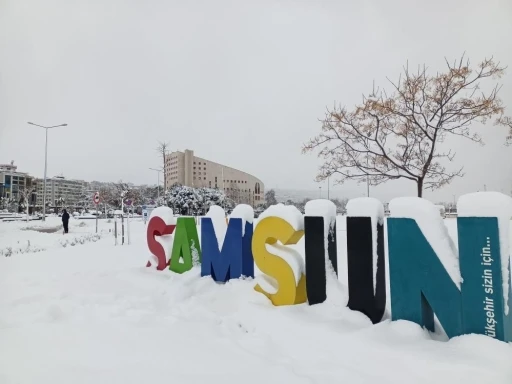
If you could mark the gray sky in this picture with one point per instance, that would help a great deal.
(240, 82)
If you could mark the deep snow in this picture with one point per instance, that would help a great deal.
(93, 313)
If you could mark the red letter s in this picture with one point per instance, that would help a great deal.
(158, 227)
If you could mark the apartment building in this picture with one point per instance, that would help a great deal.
(12, 182)
(187, 169)
(59, 188)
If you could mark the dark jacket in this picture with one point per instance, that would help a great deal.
(65, 217)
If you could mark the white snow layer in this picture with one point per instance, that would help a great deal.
(244, 212)
(323, 208)
(327, 210)
(366, 207)
(431, 224)
(291, 256)
(165, 213)
(290, 213)
(92, 313)
(369, 207)
(492, 204)
(220, 226)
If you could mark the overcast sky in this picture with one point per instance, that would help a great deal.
(241, 82)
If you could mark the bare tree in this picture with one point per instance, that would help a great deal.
(59, 202)
(26, 196)
(398, 135)
(162, 150)
(507, 121)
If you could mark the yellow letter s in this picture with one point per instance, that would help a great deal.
(268, 231)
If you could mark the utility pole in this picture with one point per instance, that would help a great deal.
(45, 162)
(328, 196)
(158, 186)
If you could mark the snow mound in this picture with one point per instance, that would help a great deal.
(323, 208)
(431, 224)
(218, 217)
(165, 213)
(373, 208)
(244, 212)
(492, 204)
(291, 256)
(97, 311)
(86, 216)
(366, 207)
(289, 213)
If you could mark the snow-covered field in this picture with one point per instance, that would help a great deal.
(36, 236)
(82, 310)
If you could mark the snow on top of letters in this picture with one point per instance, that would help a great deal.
(244, 212)
(323, 208)
(289, 213)
(366, 207)
(220, 226)
(165, 213)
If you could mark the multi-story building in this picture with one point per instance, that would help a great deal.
(186, 169)
(59, 191)
(12, 182)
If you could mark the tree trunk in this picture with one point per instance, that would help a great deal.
(420, 187)
(165, 176)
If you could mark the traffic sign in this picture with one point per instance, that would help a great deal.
(96, 198)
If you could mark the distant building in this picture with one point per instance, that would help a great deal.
(186, 169)
(12, 182)
(59, 189)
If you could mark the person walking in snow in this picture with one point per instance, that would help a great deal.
(65, 220)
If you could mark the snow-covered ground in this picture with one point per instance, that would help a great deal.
(36, 236)
(82, 310)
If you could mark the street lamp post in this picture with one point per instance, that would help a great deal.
(46, 161)
(158, 186)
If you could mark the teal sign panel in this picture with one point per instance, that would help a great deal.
(482, 289)
(420, 285)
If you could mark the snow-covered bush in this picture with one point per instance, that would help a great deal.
(195, 201)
